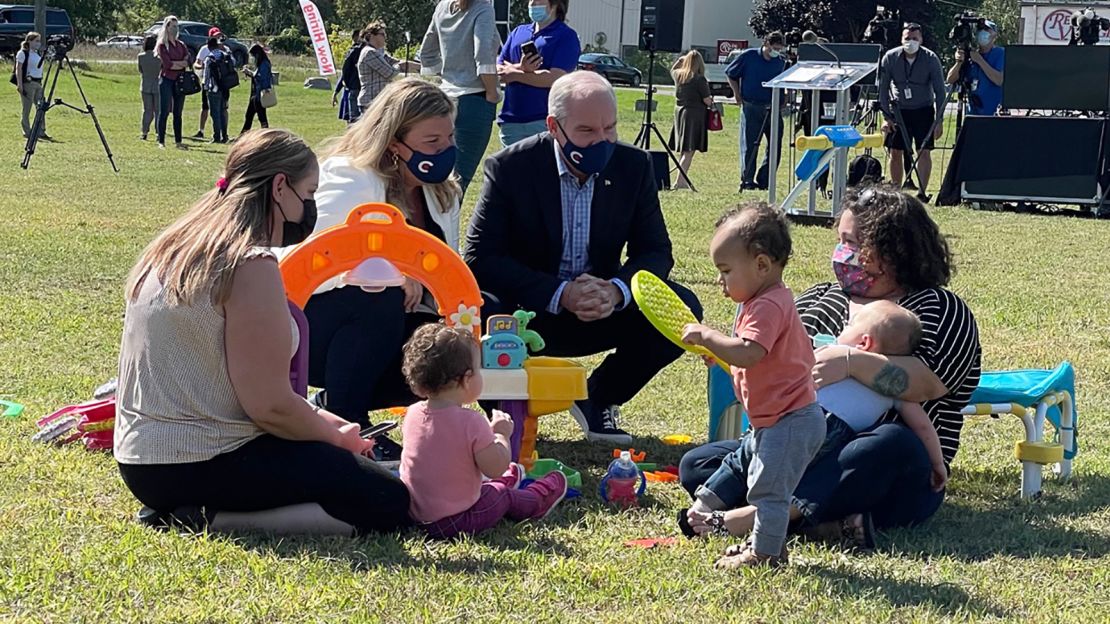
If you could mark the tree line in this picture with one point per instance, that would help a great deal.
(253, 18)
(242, 18)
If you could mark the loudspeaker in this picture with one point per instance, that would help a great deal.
(661, 25)
(501, 11)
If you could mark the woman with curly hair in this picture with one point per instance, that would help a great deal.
(887, 249)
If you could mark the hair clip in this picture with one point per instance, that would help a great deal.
(221, 184)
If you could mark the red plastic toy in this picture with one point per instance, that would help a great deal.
(92, 422)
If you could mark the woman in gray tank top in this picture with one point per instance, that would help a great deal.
(207, 421)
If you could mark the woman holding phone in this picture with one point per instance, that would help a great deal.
(531, 61)
(208, 427)
(461, 48)
(174, 56)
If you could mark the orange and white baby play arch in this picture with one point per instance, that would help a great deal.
(380, 231)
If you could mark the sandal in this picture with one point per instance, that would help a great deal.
(841, 532)
(744, 555)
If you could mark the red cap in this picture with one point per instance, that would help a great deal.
(214, 32)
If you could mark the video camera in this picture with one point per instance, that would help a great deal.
(57, 46)
(879, 28)
(793, 37)
(1087, 27)
(791, 40)
(966, 29)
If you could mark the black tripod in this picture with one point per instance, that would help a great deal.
(643, 139)
(53, 69)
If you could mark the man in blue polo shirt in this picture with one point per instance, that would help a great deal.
(746, 74)
(528, 79)
(984, 73)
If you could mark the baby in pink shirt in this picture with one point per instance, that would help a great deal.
(771, 359)
(449, 448)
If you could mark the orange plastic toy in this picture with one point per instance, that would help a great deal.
(379, 230)
(636, 457)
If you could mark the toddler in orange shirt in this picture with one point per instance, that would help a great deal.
(771, 357)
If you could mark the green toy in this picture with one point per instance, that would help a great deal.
(546, 465)
(11, 410)
(530, 337)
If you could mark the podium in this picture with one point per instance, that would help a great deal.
(815, 76)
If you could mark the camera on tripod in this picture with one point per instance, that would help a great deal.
(57, 46)
(879, 28)
(1087, 27)
(56, 50)
(966, 29)
(791, 40)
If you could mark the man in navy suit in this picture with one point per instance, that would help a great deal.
(550, 232)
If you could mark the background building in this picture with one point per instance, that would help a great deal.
(705, 22)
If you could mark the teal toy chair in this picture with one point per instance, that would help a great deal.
(727, 418)
(1035, 396)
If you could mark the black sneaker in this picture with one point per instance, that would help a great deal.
(199, 134)
(190, 518)
(923, 198)
(600, 425)
(909, 186)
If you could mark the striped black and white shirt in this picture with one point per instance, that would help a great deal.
(949, 347)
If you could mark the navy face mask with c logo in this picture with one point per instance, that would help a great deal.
(589, 160)
(432, 168)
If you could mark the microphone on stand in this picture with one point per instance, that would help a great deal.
(408, 42)
(811, 37)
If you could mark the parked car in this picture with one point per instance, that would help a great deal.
(715, 75)
(614, 69)
(195, 36)
(122, 41)
(16, 20)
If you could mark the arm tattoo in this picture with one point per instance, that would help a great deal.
(891, 381)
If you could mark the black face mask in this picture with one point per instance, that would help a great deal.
(295, 232)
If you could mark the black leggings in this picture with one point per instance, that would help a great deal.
(355, 341)
(270, 472)
(254, 107)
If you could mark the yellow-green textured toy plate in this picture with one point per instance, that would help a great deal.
(665, 311)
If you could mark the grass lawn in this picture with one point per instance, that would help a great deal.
(70, 549)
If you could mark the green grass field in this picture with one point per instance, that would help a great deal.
(70, 549)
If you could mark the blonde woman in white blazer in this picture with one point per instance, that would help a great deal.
(401, 151)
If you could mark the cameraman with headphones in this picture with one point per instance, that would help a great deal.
(912, 75)
(984, 74)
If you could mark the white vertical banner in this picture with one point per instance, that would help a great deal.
(319, 35)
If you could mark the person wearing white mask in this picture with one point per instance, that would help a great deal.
(984, 72)
(552, 51)
(912, 93)
(746, 74)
